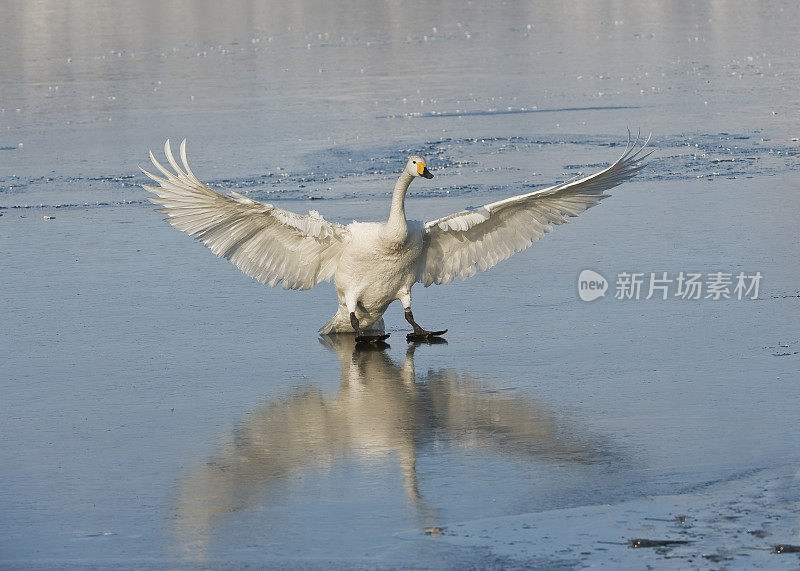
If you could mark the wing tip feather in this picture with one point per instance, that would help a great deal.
(450, 252)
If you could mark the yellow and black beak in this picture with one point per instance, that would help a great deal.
(423, 171)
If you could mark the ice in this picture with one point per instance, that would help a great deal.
(160, 409)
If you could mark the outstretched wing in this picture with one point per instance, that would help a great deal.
(265, 242)
(460, 244)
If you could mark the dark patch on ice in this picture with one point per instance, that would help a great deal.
(782, 349)
(85, 205)
(113, 178)
(783, 548)
(759, 533)
(642, 543)
(8, 148)
(100, 534)
(586, 166)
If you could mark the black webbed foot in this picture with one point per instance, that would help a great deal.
(360, 337)
(419, 333)
(426, 336)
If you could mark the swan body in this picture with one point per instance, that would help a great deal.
(372, 264)
(375, 269)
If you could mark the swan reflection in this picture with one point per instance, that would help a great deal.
(382, 411)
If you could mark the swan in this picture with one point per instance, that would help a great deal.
(372, 264)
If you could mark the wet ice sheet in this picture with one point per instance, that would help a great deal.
(160, 407)
(192, 437)
(739, 524)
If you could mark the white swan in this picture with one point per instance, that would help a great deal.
(372, 264)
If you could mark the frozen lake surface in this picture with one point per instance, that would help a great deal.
(160, 409)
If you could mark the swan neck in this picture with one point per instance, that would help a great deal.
(397, 214)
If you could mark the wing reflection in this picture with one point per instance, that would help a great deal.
(381, 410)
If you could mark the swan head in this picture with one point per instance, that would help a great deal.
(418, 166)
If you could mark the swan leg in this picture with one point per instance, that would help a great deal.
(360, 337)
(419, 334)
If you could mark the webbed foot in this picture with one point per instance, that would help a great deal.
(426, 336)
(368, 338)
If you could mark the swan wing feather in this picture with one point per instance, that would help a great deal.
(461, 244)
(267, 243)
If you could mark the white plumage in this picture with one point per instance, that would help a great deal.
(372, 264)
